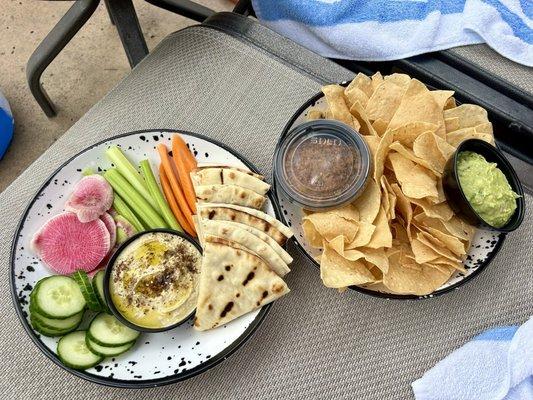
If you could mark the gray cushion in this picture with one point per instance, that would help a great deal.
(315, 343)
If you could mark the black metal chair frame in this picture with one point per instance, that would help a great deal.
(122, 15)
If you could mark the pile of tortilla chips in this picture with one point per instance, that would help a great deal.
(400, 236)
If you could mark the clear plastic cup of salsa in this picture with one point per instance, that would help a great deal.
(321, 164)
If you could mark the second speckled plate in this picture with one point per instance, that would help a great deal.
(158, 358)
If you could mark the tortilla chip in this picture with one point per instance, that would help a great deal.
(418, 104)
(338, 272)
(377, 79)
(412, 278)
(329, 226)
(361, 82)
(441, 97)
(372, 143)
(384, 101)
(381, 154)
(451, 124)
(404, 205)
(406, 134)
(363, 235)
(422, 252)
(459, 228)
(425, 146)
(401, 80)
(450, 103)
(415, 181)
(443, 261)
(355, 95)
(311, 235)
(436, 245)
(315, 114)
(376, 257)
(407, 153)
(444, 147)
(469, 115)
(441, 211)
(348, 212)
(451, 242)
(359, 113)
(382, 236)
(335, 98)
(455, 138)
(368, 202)
(380, 126)
(484, 128)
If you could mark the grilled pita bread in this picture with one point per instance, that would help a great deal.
(229, 194)
(248, 216)
(233, 282)
(224, 230)
(228, 176)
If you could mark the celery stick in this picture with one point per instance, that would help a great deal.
(128, 171)
(122, 209)
(138, 204)
(87, 171)
(155, 192)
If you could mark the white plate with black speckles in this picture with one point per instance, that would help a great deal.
(485, 244)
(157, 358)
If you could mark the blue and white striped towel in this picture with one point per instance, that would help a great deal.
(377, 30)
(495, 365)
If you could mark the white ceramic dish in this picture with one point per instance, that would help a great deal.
(157, 358)
(485, 244)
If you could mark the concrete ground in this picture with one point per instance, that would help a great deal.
(89, 66)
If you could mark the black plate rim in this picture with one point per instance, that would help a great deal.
(120, 383)
(373, 293)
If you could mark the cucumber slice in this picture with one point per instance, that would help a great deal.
(74, 353)
(106, 351)
(68, 324)
(47, 331)
(87, 290)
(98, 286)
(58, 297)
(106, 330)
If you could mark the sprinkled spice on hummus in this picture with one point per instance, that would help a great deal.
(154, 281)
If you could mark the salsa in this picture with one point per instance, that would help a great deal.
(486, 188)
(321, 166)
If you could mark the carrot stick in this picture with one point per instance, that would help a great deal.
(190, 161)
(179, 154)
(171, 200)
(174, 184)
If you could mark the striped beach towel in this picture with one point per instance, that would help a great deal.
(378, 30)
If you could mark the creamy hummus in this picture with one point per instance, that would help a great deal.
(154, 280)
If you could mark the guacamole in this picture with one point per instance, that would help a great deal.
(486, 188)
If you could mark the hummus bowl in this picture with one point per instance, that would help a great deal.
(151, 282)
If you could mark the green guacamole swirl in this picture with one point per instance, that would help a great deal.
(486, 188)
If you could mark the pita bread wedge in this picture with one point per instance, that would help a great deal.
(248, 216)
(233, 282)
(285, 256)
(229, 194)
(224, 230)
(228, 176)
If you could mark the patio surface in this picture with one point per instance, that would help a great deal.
(91, 64)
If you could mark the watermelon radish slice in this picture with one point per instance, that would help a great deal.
(125, 229)
(91, 198)
(109, 222)
(65, 244)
